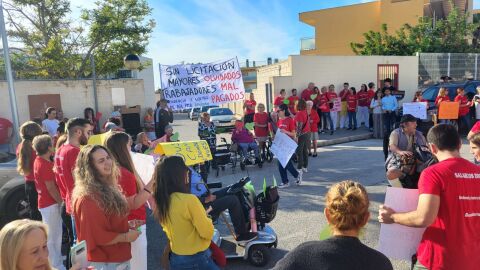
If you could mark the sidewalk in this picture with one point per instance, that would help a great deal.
(344, 136)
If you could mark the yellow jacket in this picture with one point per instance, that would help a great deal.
(188, 228)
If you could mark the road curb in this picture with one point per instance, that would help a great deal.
(344, 139)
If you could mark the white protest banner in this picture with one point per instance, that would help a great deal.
(144, 165)
(283, 147)
(195, 85)
(417, 109)
(398, 241)
(337, 105)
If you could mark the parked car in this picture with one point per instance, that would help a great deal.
(223, 118)
(195, 112)
(430, 93)
(13, 202)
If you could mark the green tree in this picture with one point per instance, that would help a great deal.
(55, 46)
(451, 34)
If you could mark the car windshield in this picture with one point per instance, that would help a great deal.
(430, 93)
(221, 111)
(196, 109)
(205, 108)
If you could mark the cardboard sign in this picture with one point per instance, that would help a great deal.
(196, 85)
(144, 165)
(193, 152)
(283, 147)
(448, 110)
(98, 139)
(337, 105)
(398, 241)
(417, 109)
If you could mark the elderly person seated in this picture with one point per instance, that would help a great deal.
(245, 140)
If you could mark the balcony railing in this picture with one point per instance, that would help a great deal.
(307, 44)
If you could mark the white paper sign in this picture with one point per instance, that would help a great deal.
(118, 97)
(398, 241)
(187, 86)
(283, 147)
(417, 109)
(144, 165)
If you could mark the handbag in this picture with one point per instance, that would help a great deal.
(234, 147)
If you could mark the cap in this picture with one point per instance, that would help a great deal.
(408, 118)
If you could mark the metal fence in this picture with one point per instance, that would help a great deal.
(458, 66)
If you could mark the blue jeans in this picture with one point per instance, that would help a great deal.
(326, 116)
(246, 146)
(352, 117)
(466, 121)
(74, 230)
(199, 261)
(283, 171)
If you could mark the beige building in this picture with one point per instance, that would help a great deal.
(298, 70)
(336, 28)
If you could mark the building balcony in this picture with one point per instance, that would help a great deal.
(307, 44)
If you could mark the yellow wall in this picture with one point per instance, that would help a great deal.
(336, 28)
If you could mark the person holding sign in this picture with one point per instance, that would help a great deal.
(182, 216)
(286, 124)
(249, 107)
(448, 206)
(346, 210)
(292, 101)
(441, 97)
(137, 194)
(464, 110)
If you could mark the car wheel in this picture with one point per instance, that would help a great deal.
(17, 206)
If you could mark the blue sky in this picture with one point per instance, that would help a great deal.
(209, 30)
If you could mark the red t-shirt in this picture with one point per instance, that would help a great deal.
(452, 241)
(262, 119)
(286, 123)
(5, 125)
(29, 177)
(463, 100)
(331, 95)
(314, 120)
(441, 99)
(363, 99)
(371, 95)
(476, 127)
(98, 229)
(250, 103)
(128, 183)
(65, 160)
(352, 103)
(344, 94)
(323, 104)
(306, 94)
(292, 102)
(278, 101)
(43, 170)
(302, 117)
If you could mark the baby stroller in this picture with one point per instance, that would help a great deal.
(264, 206)
(224, 157)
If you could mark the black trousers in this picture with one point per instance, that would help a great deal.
(302, 150)
(32, 197)
(159, 131)
(232, 203)
(370, 120)
(67, 235)
(248, 118)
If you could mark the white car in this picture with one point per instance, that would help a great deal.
(223, 118)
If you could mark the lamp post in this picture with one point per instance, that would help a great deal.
(131, 61)
(8, 70)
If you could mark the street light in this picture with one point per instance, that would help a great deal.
(131, 61)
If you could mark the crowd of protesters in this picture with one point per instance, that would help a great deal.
(95, 194)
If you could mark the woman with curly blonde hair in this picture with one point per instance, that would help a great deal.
(346, 210)
(101, 210)
(25, 158)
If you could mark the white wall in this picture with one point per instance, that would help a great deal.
(147, 76)
(299, 70)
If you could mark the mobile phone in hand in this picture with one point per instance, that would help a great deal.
(78, 254)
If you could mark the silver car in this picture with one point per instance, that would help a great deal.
(223, 118)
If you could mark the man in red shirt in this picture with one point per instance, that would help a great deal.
(448, 206)
(49, 199)
(464, 109)
(292, 101)
(306, 93)
(332, 95)
(6, 134)
(343, 113)
(279, 99)
(249, 107)
(302, 123)
(324, 105)
(352, 109)
(371, 96)
(78, 132)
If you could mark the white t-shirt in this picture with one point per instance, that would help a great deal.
(50, 126)
(477, 106)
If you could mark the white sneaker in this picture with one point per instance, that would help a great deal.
(299, 178)
(283, 185)
(304, 170)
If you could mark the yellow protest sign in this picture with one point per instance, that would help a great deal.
(448, 110)
(193, 152)
(98, 139)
